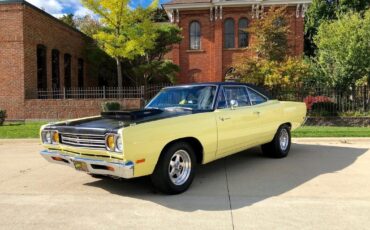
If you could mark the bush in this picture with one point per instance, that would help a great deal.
(111, 106)
(343, 48)
(289, 73)
(327, 108)
(311, 100)
(2, 116)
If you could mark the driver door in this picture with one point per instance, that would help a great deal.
(234, 121)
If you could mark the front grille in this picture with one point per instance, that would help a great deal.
(83, 140)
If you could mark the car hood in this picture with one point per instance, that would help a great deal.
(112, 121)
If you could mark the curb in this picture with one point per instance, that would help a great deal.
(331, 140)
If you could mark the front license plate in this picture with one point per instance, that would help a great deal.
(81, 166)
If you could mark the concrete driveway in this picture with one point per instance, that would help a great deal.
(323, 184)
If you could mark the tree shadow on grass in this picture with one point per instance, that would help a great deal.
(250, 177)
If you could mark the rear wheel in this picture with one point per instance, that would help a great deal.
(175, 169)
(279, 147)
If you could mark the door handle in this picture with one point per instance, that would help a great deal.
(257, 113)
(224, 118)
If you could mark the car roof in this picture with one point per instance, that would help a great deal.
(259, 89)
(214, 83)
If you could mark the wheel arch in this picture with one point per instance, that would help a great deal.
(194, 142)
(286, 123)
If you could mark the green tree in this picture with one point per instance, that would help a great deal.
(271, 33)
(272, 66)
(343, 53)
(153, 65)
(88, 25)
(69, 19)
(160, 15)
(324, 10)
(126, 32)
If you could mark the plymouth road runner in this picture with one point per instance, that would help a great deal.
(181, 128)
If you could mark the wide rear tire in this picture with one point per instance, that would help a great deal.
(175, 169)
(279, 147)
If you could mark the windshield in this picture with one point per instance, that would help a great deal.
(189, 97)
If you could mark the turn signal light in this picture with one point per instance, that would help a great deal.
(56, 137)
(140, 161)
(111, 142)
(110, 168)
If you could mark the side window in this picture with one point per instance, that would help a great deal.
(255, 97)
(222, 104)
(237, 93)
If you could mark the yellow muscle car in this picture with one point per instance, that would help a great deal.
(182, 127)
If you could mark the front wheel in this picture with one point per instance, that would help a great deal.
(279, 147)
(175, 169)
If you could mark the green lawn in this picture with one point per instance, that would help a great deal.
(320, 131)
(31, 130)
(20, 130)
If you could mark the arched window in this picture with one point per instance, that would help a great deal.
(229, 71)
(67, 71)
(41, 67)
(229, 33)
(55, 71)
(80, 73)
(194, 35)
(243, 34)
(194, 75)
(230, 75)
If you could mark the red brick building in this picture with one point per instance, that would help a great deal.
(213, 35)
(37, 51)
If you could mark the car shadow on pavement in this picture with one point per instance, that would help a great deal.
(242, 179)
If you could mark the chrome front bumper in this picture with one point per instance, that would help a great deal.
(91, 166)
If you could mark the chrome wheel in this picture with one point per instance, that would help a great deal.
(179, 168)
(284, 139)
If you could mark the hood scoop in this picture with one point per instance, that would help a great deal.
(131, 115)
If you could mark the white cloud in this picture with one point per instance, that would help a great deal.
(58, 8)
(50, 6)
(82, 11)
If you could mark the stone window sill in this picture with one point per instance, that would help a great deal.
(236, 49)
(195, 51)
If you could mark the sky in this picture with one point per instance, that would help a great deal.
(60, 7)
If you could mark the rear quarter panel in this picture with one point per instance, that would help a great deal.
(147, 140)
(294, 113)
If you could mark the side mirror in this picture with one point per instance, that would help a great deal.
(233, 104)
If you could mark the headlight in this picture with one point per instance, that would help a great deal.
(119, 144)
(110, 142)
(114, 143)
(50, 137)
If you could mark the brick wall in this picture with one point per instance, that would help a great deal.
(40, 28)
(11, 60)
(213, 60)
(22, 28)
(68, 109)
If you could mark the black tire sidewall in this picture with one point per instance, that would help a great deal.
(161, 178)
(282, 153)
